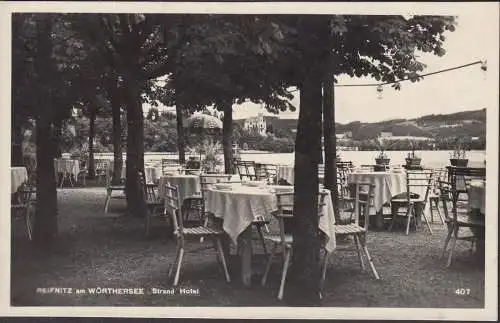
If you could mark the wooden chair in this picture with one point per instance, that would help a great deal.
(434, 194)
(154, 202)
(266, 172)
(183, 234)
(284, 239)
(23, 207)
(246, 169)
(101, 168)
(168, 163)
(110, 188)
(361, 209)
(321, 173)
(412, 202)
(457, 184)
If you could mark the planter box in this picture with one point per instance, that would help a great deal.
(381, 164)
(413, 161)
(459, 162)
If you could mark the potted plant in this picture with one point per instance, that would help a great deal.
(412, 160)
(382, 160)
(458, 157)
(212, 159)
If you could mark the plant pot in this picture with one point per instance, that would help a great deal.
(459, 162)
(413, 161)
(193, 164)
(382, 161)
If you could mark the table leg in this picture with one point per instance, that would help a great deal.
(245, 253)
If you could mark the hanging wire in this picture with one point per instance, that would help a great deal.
(483, 67)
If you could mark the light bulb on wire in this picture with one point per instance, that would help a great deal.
(484, 67)
(379, 91)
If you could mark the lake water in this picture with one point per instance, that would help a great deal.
(431, 158)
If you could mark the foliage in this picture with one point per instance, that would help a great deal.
(412, 154)
(382, 147)
(459, 151)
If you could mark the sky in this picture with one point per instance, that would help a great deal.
(454, 91)
(464, 89)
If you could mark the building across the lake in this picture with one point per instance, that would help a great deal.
(256, 124)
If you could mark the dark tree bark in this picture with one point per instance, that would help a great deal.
(16, 141)
(136, 205)
(180, 132)
(227, 136)
(91, 167)
(330, 140)
(304, 286)
(57, 138)
(45, 220)
(117, 138)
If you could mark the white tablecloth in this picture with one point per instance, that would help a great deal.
(285, 172)
(477, 195)
(151, 173)
(240, 206)
(71, 166)
(18, 175)
(188, 185)
(387, 184)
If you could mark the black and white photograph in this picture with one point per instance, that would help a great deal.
(250, 159)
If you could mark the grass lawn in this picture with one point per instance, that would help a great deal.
(108, 250)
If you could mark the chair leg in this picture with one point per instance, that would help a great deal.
(179, 264)
(205, 223)
(394, 214)
(288, 252)
(408, 215)
(453, 243)
(172, 265)
(108, 200)
(148, 223)
(325, 265)
(431, 210)
(262, 240)
(268, 266)
(439, 213)
(368, 257)
(358, 248)
(223, 260)
(28, 222)
(448, 237)
(427, 221)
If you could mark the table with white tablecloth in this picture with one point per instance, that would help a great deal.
(18, 175)
(387, 185)
(67, 166)
(151, 173)
(477, 205)
(188, 185)
(285, 172)
(477, 195)
(241, 205)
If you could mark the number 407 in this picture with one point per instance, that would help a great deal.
(462, 291)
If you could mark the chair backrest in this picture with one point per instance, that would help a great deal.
(25, 194)
(172, 205)
(460, 177)
(361, 194)
(321, 170)
(148, 188)
(284, 213)
(208, 181)
(246, 169)
(167, 163)
(418, 179)
(367, 168)
(102, 164)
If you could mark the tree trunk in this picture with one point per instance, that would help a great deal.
(45, 220)
(180, 132)
(330, 140)
(16, 141)
(135, 151)
(227, 136)
(304, 286)
(57, 138)
(117, 140)
(91, 167)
